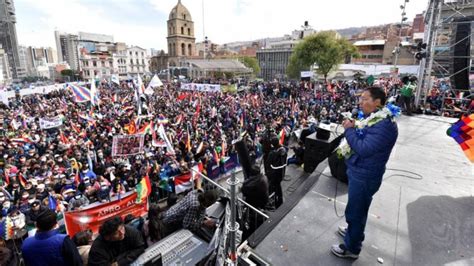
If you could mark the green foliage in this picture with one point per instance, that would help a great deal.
(30, 79)
(323, 49)
(250, 62)
(229, 88)
(223, 75)
(67, 72)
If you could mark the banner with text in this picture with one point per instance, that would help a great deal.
(47, 123)
(94, 216)
(201, 87)
(125, 145)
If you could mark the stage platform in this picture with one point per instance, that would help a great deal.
(413, 220)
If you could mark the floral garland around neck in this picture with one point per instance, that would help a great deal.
(389, 111)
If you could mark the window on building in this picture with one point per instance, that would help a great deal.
(190, 49)
(136, 53)
(143, 54)
(143, 61)
(189, 31)
(111, 63)
(102, 63)
(131, 62)
(94, 63)
(138, 62)
(184, 16)
(130, 53)
(182, 30)
(183, 49)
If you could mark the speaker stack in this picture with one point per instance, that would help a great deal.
(318, 149)
(461, 53)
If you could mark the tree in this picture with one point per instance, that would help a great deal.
(67, 72)
(323, 49)
(250, 62)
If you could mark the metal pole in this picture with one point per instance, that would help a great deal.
(233, 226)
(398, 49)
(431, 51)
(423, 63)
(168, 67)
(227, 191)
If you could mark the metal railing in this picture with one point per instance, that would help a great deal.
(455, 99)
(228, 193)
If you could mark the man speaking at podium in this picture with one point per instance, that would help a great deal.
(367, 148)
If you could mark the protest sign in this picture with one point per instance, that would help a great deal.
(125, 145)
(95, 215)
(47, 123)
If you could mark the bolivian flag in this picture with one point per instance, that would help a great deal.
(143, 189)
(146, 129)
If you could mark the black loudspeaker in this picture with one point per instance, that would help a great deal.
(244, 157)
(461, 52)
(317, 150)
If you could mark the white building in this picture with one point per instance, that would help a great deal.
(5, 74)
(23, 57)
(120, 60)
(137, 61)
(97, 65)
(66, 45)
(95, 37)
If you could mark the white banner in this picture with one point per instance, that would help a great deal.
(307, 74)
(47, 123)
(201, 87)
(4, 97)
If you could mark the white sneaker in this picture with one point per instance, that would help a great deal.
(342, 230)
(341, 251)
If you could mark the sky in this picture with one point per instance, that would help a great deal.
(143, 22)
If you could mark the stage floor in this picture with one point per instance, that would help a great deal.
(412, 221)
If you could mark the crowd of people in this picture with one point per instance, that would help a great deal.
(70, 166)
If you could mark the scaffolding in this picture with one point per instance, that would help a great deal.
(439, 20)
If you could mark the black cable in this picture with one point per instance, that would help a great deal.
(417, 177)
(335, 199)
(335, 196)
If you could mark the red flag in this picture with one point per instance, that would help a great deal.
(186, 181)
(131, 127)
(22, 179)
(181, 96)
(188, 141)
(75, 128)
(63, 138)
(282, 136)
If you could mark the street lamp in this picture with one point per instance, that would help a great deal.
(206, 41)
(397, 48)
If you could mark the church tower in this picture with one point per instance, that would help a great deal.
(181, 40)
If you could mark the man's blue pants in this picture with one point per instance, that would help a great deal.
(361, 190)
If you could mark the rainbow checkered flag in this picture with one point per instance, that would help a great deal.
(463, 133)
(6, 229)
